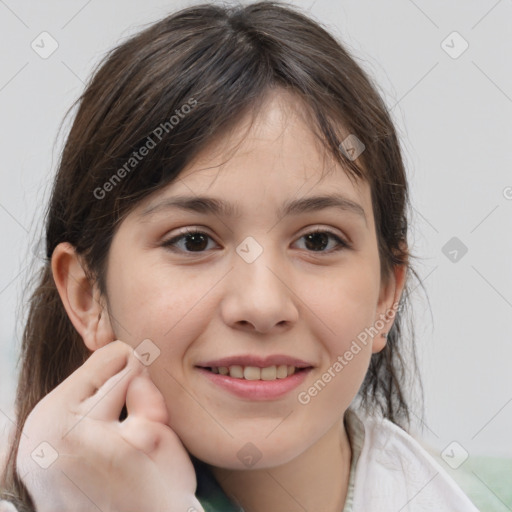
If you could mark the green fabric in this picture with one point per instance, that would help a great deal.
(209, 492)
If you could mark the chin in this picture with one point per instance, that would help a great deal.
(246, 456)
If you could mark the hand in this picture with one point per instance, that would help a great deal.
(94, 461)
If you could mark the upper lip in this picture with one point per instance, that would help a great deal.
(252, 360)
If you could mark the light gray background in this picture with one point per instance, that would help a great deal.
(454, 118)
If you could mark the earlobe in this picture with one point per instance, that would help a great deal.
(81, 298)
(379, 342)
(389, 300)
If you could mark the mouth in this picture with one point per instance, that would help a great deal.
(255, 383)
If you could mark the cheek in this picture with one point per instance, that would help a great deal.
(344, 304)
(160, 304)
(341, 314)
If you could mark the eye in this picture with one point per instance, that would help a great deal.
(193, 240)
(318, 239)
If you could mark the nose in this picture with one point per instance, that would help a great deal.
(259, 295)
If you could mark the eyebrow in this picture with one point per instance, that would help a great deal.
(205, 205)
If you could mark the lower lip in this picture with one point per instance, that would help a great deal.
(257, 389)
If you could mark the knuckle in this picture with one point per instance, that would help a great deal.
(141, 434)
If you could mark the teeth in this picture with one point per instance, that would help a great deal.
(269, 373)
(254, 373)
(236, 371)
(282, 371)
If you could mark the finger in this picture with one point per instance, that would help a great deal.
(140, 433)
(171, 457)
(144, 399)
(98, 369)
(164, 447)
(106, 404)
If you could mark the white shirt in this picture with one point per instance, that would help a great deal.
(392, 472)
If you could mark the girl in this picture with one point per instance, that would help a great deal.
(219, 322)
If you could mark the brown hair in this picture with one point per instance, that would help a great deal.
(225, 59)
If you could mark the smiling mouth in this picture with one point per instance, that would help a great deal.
(255, 373)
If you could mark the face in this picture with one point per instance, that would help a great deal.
(253, 282)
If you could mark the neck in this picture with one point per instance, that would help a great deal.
(315, 480)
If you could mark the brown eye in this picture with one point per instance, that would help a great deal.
(190, 241)
(318, 240)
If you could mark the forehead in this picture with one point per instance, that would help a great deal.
(272, 153)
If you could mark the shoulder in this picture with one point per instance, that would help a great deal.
(394, 472)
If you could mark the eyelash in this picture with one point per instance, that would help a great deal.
(169, 244)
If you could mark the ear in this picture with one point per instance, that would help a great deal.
(81, 298)
(389, 300)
